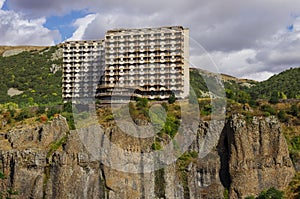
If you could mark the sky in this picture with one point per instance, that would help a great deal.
(246, 39)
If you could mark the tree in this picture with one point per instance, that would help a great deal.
(282, 116)
(282, 96)
(243, 97)
(142, 102)
(172, 98)
(68, 107)
(274, 98)
(294, 110)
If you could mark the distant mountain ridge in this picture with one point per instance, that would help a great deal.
(286, 82)
(7, 49)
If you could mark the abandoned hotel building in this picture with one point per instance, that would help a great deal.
(148, 62)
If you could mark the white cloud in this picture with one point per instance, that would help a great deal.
(259, 76)
(245, 38)
(232, 63)
(2, 3)
(81, 25)
(15, 30)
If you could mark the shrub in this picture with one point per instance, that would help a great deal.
(172, 98)
(41, 110)
(109, 117)
(24, 114)
(43, 118)
(165, 105)
(142, 102)
(185, 159)
(2, 176)
(282, 116)
(295, 143)
(294, 110)
(171, 126)
(226, 194)
(267, 114)
(207, 109)
(52, 111)
(269, 109)
(271, 193)
(70, 119)
(274, 98)
(156, 146)
(68, 107)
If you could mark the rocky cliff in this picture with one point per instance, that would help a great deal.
(49, 161)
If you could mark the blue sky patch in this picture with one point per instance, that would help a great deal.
(64, 24)
(5, 6)
(290, 27)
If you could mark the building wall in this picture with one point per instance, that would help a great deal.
(186, 62)
(83, 62)
(150, 62)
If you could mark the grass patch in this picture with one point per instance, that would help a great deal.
(56, 145)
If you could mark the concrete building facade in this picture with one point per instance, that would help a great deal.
(148, 62)
(151, 63)
(83, 63)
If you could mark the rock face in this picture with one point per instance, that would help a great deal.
(49, 161)
(258, 156)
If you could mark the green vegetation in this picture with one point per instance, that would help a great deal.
(237, 92)
(293, 190)
(40, 100)
(181, 167)
(56, 145)
(172, 98)
(268, 110)
(140, 111)
(160, 184)
(185, 159)
(271, 193)
(226, 194)
(197, 82)
(30, 72)
(286, 84)
(9, 193)
(2, 176)
(10, 114)
(156, 146)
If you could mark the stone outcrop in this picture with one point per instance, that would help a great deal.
(49, 161)
(258, 155)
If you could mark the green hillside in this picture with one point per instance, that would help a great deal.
(32, 73)
(286, 84)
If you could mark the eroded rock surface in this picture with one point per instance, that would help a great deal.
(49, 161)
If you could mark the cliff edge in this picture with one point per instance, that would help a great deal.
(49, 161)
